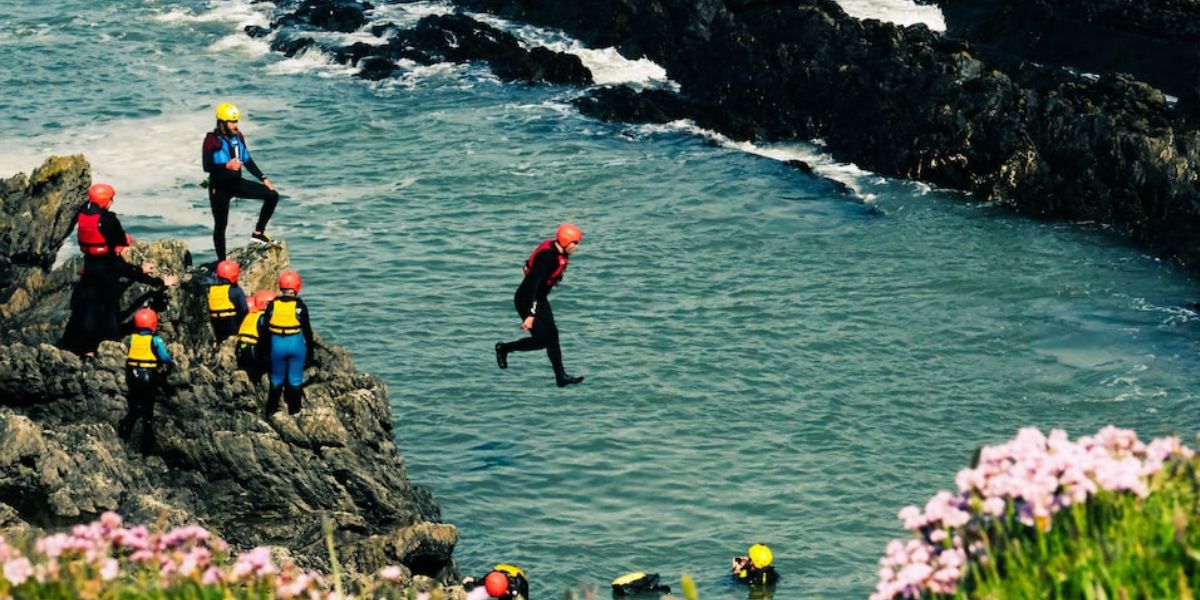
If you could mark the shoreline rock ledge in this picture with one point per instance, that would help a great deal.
(218, 461)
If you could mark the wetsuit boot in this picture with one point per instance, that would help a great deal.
(501, 356)
(273, 396)
(293, 396)
(564, 380)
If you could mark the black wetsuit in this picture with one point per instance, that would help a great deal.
(224, 184)
(225, 327)
(96, 298)
(766, 576)
(532, 298)
(145, 383)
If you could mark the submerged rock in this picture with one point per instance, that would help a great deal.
(218, 461)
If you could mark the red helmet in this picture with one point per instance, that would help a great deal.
(145, 318)
(568, 233)
(262, 298)
(101, 194)
(228, 270)
(496, 584)
(289, 280)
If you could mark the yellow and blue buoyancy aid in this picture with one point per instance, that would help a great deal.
(219, 304)
(284, 320)
(230, 149)
(141, 351)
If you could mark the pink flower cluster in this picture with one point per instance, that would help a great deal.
(106, 550)
(1034, 476)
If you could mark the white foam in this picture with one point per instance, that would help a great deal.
(823, 164)
(407, 15)
(311, 60)
(608, 66)
(242, 43)
(242, 13)
(154, 163)
(900, 12)
(414, 74)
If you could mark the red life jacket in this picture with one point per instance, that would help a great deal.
(557, 275)
(91, 241)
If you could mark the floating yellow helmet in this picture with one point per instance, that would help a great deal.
(760, 556)
(226, 111)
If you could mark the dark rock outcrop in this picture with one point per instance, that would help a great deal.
(435, 39)
(906, 102)
(218, 461)
(1156, 41)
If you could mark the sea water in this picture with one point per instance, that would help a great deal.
(771, 356)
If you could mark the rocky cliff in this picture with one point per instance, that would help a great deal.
(219, 461)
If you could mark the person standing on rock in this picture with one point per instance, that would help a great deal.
(226, 301)
(95, 301)
(145, 371)
(224, 154)
(279, 334)
(543, 270)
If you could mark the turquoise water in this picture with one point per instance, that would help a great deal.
(766, 359)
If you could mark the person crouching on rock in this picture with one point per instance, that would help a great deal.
(279, 334)
(95, 301)
(755, 568)
(145, 371)
(226, 301)
(247, 346)
(504, 581)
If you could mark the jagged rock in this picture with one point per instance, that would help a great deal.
(436, 38)
(218, 460)
(31, 232)
(335, 15)
(1157, 41)
(623, 103)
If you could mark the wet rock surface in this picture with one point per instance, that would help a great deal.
(435, 39)
(1156, 41)
(906, 102)
(218, 460)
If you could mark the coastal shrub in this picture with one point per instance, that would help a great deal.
(1040, 516)
(106, 560)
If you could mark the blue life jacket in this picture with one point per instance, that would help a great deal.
(230, 149)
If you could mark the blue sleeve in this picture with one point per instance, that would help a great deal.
(160, 350)
(238, 298)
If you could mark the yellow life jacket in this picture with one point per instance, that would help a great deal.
(248, 332)
(283, 317)
(219, 304)
(141, 351)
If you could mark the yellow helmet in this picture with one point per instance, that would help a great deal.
(226, 111)
(513, 570)
(760, 556)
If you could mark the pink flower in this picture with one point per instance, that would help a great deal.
(391, 573)
(110, 520)
(212, 576)
(17, 570)
(110, 570)
(994, 506)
